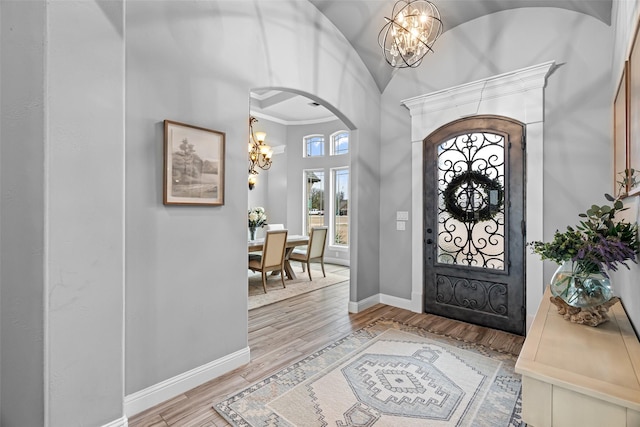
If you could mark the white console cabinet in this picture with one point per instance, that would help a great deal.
(577, 375)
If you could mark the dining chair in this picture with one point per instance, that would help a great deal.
(272, 257)
(314, 251)
(274, 227)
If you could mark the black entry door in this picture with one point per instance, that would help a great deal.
(473, 222)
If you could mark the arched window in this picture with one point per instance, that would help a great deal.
(340, 143)
(314, 145)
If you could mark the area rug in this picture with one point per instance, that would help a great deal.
(387, 374)
(300, 285)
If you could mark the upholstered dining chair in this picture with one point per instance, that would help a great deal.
(274, 227)
(315, 250)
(272, 257)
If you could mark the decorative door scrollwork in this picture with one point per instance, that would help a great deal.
(471, 219)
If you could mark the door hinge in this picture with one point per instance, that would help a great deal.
(523, 309)
(523, 227)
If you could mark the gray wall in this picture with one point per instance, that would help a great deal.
(577, 138)
(22, 213)
(626, 282)
(186, 266)
(62, 222)
(84, 213)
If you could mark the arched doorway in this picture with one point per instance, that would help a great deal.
(473, 229)
(298, 189)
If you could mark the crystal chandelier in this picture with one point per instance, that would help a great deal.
(259, 152)
(407, 37)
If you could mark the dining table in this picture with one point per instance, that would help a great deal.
(292, 241)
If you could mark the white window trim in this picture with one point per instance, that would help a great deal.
(332, 205)
(306, 145)
(332, 148)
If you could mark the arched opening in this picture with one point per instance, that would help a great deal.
(308, 183)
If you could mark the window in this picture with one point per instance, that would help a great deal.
(314, 197)
(314, 145)
(341, 206)
(340, 143)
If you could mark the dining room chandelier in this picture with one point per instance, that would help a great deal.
(259, 152)
(410, 33)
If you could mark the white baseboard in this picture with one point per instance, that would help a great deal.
(357, 307)
(121, 422)
(165, 390)
(417, 302)
(396, 302)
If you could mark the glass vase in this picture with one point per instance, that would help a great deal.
(581, 284)
(252, 233)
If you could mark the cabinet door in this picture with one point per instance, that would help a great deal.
(572, 409)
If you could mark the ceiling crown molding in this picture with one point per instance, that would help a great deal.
(292, 122)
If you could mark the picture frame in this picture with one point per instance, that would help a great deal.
(633, 146)
(621, 131)
(193, 165)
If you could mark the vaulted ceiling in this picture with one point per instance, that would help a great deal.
(361, 20)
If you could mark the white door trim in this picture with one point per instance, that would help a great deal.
(519, 95)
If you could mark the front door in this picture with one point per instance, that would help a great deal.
(473, 222)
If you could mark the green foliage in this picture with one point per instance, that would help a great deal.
(317, 199)
(598, 240)
(563, 247)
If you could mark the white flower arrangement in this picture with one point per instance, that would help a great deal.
(257, 217)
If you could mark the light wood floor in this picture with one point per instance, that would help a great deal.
(287, 331)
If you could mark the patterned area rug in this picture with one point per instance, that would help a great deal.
(300, 285)
(387, 374)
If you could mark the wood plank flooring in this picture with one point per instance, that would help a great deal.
(287, 331)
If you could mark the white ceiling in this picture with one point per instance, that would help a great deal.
(288, 108)
(361, 20)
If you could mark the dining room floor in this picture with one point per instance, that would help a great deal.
(335, 274)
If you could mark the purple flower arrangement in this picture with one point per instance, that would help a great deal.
(599, 243)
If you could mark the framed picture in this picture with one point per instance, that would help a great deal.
(633, 153)
(621, 132)
(193, 165)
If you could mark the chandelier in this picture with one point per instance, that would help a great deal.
(407, 37)
(259, 152)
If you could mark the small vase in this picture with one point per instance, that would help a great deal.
(252, 233)
(581, 284)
